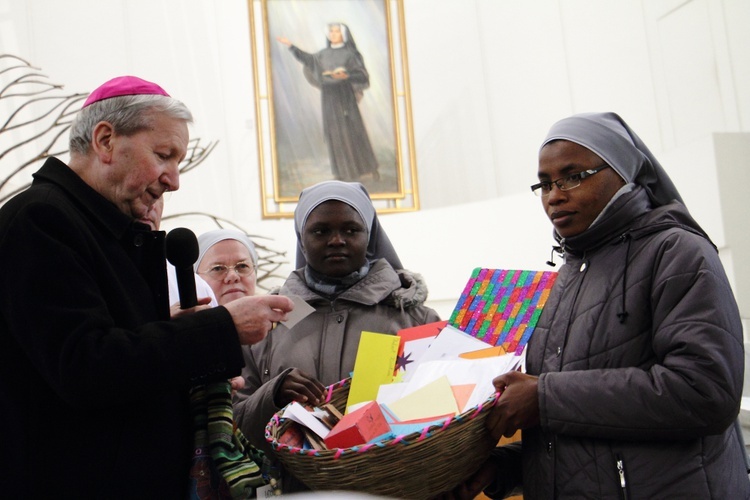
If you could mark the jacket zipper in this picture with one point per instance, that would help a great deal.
(621, 473)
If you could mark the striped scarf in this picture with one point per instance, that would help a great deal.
(224, 464)
(329, 286)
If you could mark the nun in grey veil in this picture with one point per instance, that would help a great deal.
(355, 195)
(365, 289)
(607, 135)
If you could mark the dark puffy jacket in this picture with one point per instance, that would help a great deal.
(640, 359)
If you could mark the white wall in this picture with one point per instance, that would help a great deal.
(488, 78)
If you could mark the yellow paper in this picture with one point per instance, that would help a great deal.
(434, 399)
(373, 366)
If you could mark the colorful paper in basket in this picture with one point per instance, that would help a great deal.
(435, 398)
(502, 306)
(414, 341)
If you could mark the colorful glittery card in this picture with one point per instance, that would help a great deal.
(502, 307)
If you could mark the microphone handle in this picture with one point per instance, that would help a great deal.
(186, 287)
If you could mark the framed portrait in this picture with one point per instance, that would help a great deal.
(332, 100)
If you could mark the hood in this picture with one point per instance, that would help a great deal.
(630, 216)
(413, 291)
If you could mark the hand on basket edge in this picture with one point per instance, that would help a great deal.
(301, 387)
(518, 404)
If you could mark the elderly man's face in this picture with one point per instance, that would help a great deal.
(573, 211)
(141, 167)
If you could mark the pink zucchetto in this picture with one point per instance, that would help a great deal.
(124, 85)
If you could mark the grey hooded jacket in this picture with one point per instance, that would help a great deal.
(324, 344)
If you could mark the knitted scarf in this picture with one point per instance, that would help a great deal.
(224, 464)
(330, 287)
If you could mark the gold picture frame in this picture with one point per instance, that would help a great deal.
(309, 128)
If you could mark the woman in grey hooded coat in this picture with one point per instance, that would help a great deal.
(635, 371)
(350, 274)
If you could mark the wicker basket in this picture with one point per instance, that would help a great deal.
(415, 466)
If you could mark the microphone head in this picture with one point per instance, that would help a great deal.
(182, 247)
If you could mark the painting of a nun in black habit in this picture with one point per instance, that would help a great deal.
(333, 96)
(339, 72)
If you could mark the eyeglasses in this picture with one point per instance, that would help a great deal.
(566, 183)
(219, 271)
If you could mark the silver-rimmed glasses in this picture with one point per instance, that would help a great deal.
(566, 183)
(219, 271)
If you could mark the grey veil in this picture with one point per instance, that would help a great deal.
(607, 135)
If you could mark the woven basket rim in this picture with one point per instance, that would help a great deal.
(405, 439)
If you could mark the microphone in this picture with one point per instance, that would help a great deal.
(182, 252)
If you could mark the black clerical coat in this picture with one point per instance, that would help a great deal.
(94, 377)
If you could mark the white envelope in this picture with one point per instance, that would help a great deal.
(297, 412)
(464, 371)
(448, 344)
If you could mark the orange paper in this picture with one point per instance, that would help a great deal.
(462, 393)
(483, 353)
